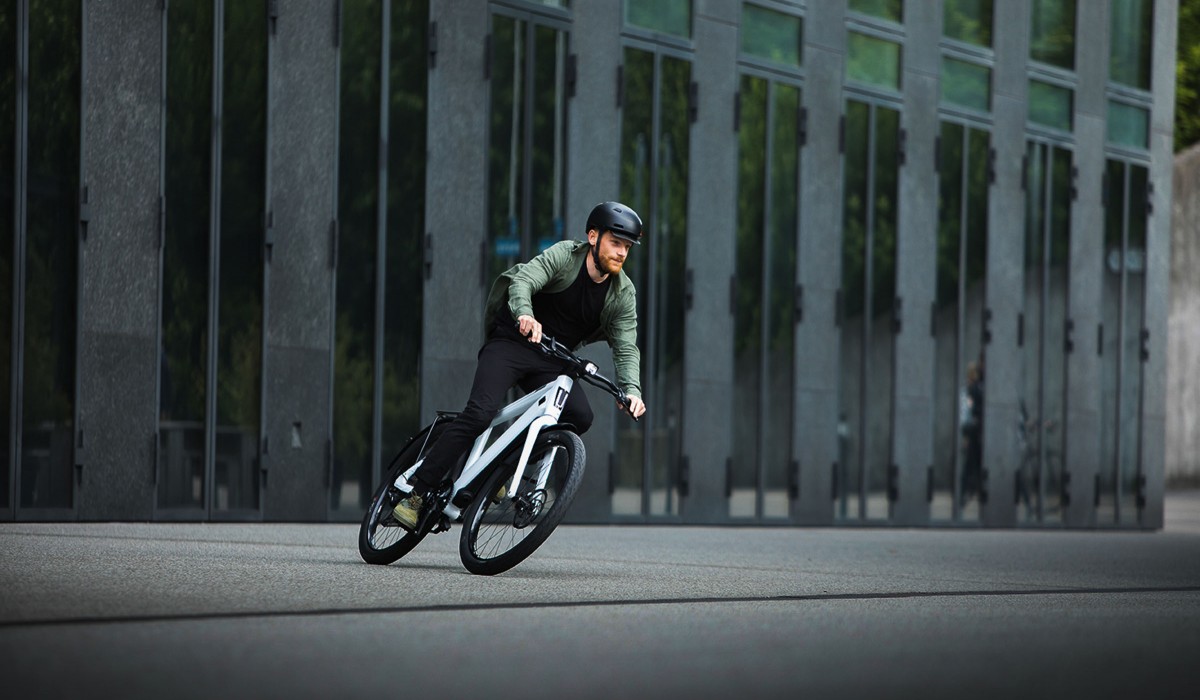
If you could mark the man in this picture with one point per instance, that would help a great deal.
(574, 292)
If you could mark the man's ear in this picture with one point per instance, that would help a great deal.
(593, 235)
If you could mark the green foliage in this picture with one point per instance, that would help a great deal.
(1187, 76)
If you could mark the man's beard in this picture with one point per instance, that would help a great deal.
(605, 264)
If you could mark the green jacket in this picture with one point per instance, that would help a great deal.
(553, 271)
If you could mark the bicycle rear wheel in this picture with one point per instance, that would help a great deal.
(499, 533)
(381, 540)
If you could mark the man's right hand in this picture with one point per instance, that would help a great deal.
(530, 327)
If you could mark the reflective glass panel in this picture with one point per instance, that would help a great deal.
(408, 75)
(780, 308)
(1132, 23)
(873, 61)
(547, 122)
(887, 9)
(966, 84)
(747, 336)
(358, 201)
(8, 184)
(667, 16)
(637, 172)
(51, 255)
(968, 20)
(772, 35)
(867, 314)
(506, 155)
(1051, 105)
(951, 404)
(186, 255)
(243, 209)
(1128, 125)
(1052, 32)
(1042, 405)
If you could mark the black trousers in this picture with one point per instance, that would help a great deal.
(503, 363)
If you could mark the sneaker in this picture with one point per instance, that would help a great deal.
(408, 511)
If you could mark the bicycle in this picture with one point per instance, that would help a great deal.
(510, 494)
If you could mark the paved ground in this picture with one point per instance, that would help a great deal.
(200, 611)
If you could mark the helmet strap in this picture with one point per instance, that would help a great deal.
(596, 252)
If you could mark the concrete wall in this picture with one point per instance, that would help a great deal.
(1183, 326)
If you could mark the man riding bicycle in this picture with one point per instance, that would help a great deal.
(575, 292)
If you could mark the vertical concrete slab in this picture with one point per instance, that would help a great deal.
(455, 205)
(712, 207)
(1006, 239)
(1084, 366)
(819, 248)
(593, 176)
(1158, 259)
(303, 135)
(1183, 327)
(916, 264)
(118, 278)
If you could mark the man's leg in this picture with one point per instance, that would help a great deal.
(501, 363)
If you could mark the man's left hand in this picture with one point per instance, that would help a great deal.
(636, 406)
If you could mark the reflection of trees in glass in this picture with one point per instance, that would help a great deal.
(666, 16)
(506, 144)
(1187, 77)
(772, 35)
(872, 61)
(358, 191)
(406, 224)
(186, 249)
(887, 9)
(968, 20)
(51, 251)
(8, 106)
(1052, 32)
(1131, 46)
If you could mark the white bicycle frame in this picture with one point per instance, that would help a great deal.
(532, 412)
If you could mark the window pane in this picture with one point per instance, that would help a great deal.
(947, 386)
(240, 315)
(747, 337)
(185, 278)
(781, 306)
(406, 225)
(968, 20)
(547, 146)
(1132, 33)
(637, 137)
(772, 35)
(507, 151)
(873, 61)
(358, 197)
(51, 255)
(851, 315)
(8, 181)
(667, 16)
(1051, 105)
(1128, 125)
(1052, 32)
(966, 84)
(887, 9)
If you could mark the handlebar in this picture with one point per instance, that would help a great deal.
(585, 370)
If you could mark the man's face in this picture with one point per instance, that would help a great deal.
(612, 251)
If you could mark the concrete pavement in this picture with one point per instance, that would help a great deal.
(271, 610)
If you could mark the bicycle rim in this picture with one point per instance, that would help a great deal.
(500, 533)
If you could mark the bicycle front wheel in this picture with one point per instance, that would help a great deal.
(501, 530)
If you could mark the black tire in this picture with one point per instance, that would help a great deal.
(381, 540)
(496, 536)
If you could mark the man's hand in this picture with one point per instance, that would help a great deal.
(530, 327)
(636, 407)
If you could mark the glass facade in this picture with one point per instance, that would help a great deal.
(957, 323)
(379, 262)
(764, 313)
(1052, 32)
(1128, 125)
(867, 312)
(892, 10)
(1130, 42)
(1042, 332)
(969, 21)
(671, 17)
(527, 151)
(1123, 308)
(966, 84)
(772, 35)
(872, 61)
(655, 125)
(1051, 105)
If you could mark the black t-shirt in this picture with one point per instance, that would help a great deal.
(569, 316)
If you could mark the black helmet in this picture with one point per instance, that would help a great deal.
(622, 221)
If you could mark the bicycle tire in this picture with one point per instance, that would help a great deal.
(380, 539)
(498, 535)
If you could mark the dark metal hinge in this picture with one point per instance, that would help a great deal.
(333, 244)
(689, 289)
(737, 110)
(991, 166)
(728, 477)
(693, 102)
(1021, 330)
(85, 212)
(1074, 182)
(937, 154)
(273, 15)
(1149, 198)
(987, 326)
(798, 303)
(802, 127)
(842, 134)
(685, 475)
(487, 57)
(1069, 335)
(794, 480)
(1100, 339)
(733, 294)
(1145, 344)
(572, 76)
(902, 147)
(337, 24)
(1024, 173)
(898, 315)
(269, 235)
(428, 255)
(162, 222)
(433, 45)
(620, 86)
(893, 479)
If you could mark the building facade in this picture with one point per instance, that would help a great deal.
(907, 262)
